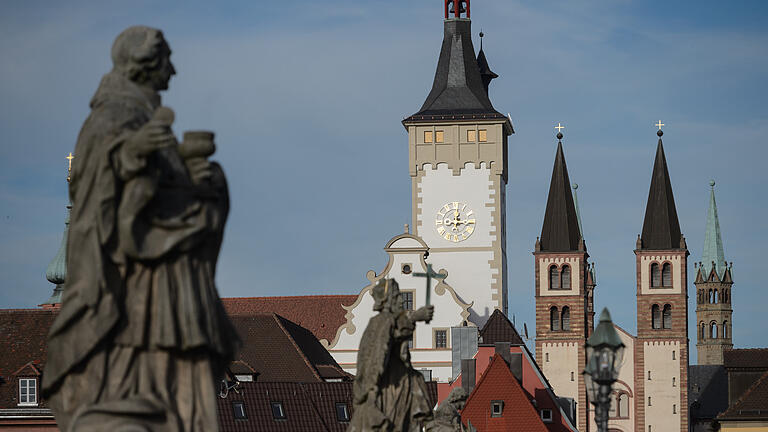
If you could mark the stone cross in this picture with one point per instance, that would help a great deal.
(429, 275)
(659, 124)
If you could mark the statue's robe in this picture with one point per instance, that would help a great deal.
(389, 395)
(142, 335)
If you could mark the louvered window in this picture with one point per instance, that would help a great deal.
(554, 278)
(565, 318)
(666, 275)
(566, 277)
(655, 275)
(554, 319)
(667, 316)
(656, 317)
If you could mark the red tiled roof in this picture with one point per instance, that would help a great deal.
(498, 383)
(752, 405)
(23, 336)
(746, 358)
(282, 351)
(322, 315)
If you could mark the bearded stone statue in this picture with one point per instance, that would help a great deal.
(389, 394)
(142, 336)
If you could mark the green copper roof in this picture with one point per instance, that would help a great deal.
(713, 241)
(57, 269)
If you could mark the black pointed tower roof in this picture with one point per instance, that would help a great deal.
(661, 228)
(486, 74)
(458, 91)
(560, 232)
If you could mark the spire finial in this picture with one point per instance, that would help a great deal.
(481, 39)
(712, 183)
(559, 128)
(659, 125)
(69, 167)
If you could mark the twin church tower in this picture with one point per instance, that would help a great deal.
(457, 159)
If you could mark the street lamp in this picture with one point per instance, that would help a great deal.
(604, 354)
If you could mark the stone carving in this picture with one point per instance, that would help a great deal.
(389, 394)
(142, 336)
(447, 417)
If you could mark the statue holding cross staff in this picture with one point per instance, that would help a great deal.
(430, 274)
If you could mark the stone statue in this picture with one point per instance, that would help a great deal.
(389, 394)
(142, 336)
(447, 417)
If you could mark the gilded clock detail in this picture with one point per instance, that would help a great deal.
(455, 221)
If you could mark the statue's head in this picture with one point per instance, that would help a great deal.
(142, 55)
(386, 296)
(458, 397)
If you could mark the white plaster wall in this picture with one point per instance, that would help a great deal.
(645, 274)
(563, 359)
(472, 186)
(545, 263)
(470, 273)
(448, 313)
(625, 382)
(658, 359)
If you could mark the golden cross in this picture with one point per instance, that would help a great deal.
(559, 127)
(69, 168)
(659, 124)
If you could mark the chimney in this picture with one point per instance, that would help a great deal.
(502, 349)
(516, 366)
(468, 372)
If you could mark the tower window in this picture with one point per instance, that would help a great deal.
(713, 330)
(554, 278)
(674, 382)
(439, 136)
(725, 329)
(546, 357)
(655, 275)
(655, 317)
(702, 331)
(649, 401)
(673, 356)
(667, 316)
(666, 275)
(566, 277)
(483, 134)
(623, 408)
(572, 377)
(711, 299)
(565, 318)
(715, 297)
(554, 319)
(471, 135)
(674, 408)
(649, 375)
(427, 136)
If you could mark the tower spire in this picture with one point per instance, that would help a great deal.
(713, 242)
(486, 74)
(661, 228)
(560, 232)
(56, 273)
(575, 187)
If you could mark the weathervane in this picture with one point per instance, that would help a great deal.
(429, 275)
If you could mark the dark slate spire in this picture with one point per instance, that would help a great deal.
(560, 232)
(486, 74)
(458, 90)
(661, 229)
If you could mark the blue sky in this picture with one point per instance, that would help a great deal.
(306, 100)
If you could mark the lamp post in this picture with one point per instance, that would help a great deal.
(604, 354)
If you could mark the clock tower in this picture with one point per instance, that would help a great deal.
(457, 144)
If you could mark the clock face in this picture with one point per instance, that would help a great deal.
(455, 221)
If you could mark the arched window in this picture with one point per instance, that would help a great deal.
(715, 298)
(702, 331)
(655, 317)
(667, 317)
(666, 275)
(724, 296)
(710, 296)
(612, 408)
(565, 275)
(623, 405)
(725, 329)
(565, 318)
(713, 330)
(655, 275)
(554, 278)
(554, 319)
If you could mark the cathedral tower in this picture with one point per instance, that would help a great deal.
(713, 293)
(661, 350)
(564, 284)
(457, 161)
